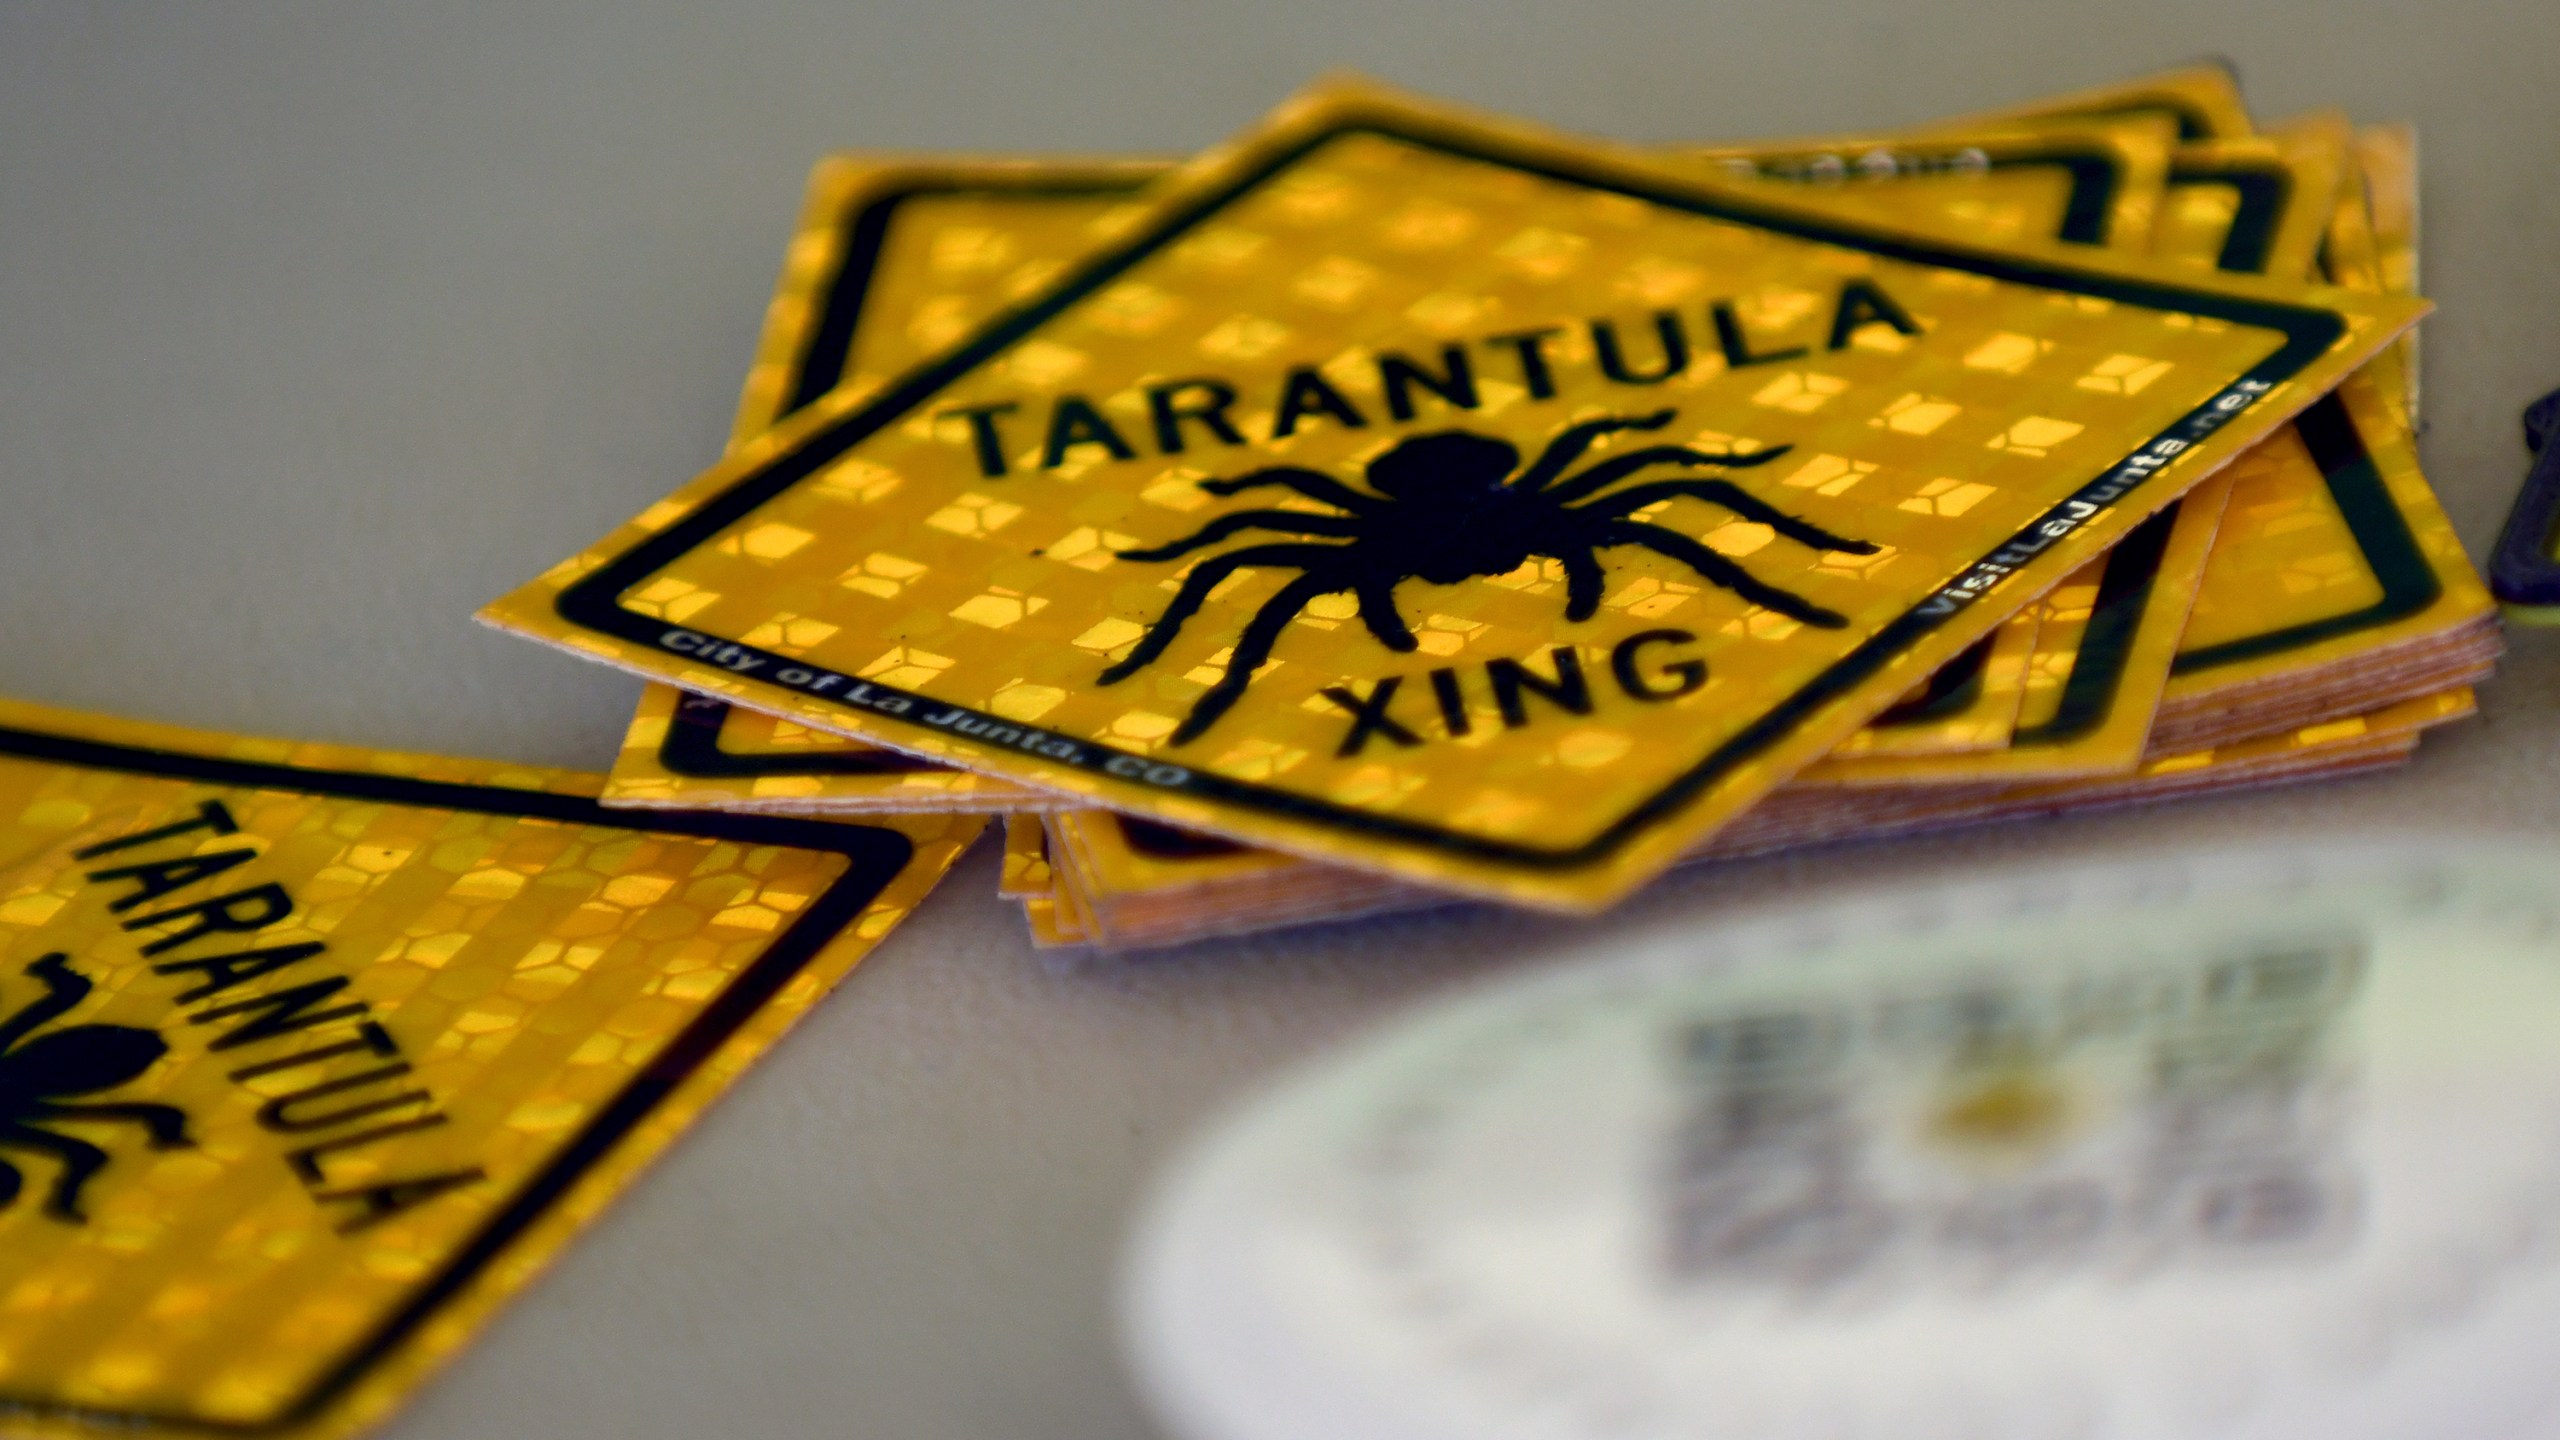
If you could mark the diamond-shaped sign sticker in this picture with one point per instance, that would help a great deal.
(1486, 494)
(315, 1054)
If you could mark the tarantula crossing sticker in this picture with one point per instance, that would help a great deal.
(1433, 495)
(309, 1055)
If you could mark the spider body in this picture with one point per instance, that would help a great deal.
(40, 1074)
(1455, 519)
(1456, 506)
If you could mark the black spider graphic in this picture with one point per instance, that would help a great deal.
(74, 1060)
(1448, 508)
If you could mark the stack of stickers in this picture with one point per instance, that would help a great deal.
(1392, 505)
(1399, 504)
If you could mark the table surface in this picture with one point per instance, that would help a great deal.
(324, 324)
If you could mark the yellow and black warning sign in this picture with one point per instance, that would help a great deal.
(1406, 414)
(895, 257)
(310, 1055)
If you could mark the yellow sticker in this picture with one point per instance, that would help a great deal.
(1499, 285)
(2386, 161)
(1122, 855)
(2059, 181)
(2253, 206)
(2351, 256)
(894, 258)
(1049, 928)
(1026, 859)
(322, 1052)
(1971, 705)
(684, 749)
(2107, 634)
(2315, 563)
(2387, 158)
(1123, 880)
(2334, 552)
(940, 247)
(2062, 619)
(2334, 548)
(2104, 642)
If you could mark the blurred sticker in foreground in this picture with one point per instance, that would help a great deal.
(310, 1055)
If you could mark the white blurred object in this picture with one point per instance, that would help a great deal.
(2248, 1144)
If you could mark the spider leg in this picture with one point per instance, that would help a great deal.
(1720, 571)
(1568, 447)
(79, 1158)
(1583, 581)
(1619, 467)
(1733, 497)
(1253, 647)
(1378, 611)
(1287, 522)
(165, 1124)
(64, 989)
(1314, 484)
(11, 1182)
(1205, 577)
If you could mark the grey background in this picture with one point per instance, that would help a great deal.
(322, 324)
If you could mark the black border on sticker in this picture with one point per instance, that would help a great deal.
(2095, 177)
(875, 857)
(828, 346)
(2124, 585)
(2096, 180)
(2106, 641)
(2328, 430)
(1952, 689)
(691, 746)
(2190, 118)
(593, 602)
(2194, 122)
(2262, 191)
(2373, 521)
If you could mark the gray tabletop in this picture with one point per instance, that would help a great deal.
(323, 324)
